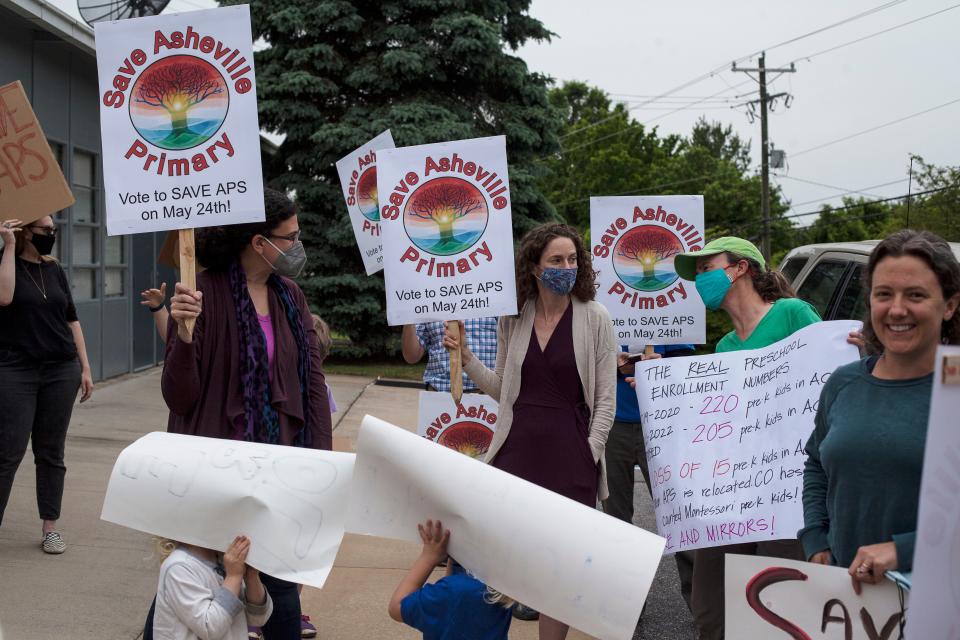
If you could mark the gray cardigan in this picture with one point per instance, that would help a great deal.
(596, 353)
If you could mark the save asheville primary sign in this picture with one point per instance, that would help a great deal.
(634, 240)
(178, 117)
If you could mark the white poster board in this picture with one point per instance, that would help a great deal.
(935, 589)
(291, 502)
(447, 231)
(178, 121)
(634, 240)
(562, 558)
(466, 427)
(358, 179)
(725, 435)
(774, 598)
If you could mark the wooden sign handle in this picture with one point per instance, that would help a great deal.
(648, 350)
(456, 365)
(188, 266)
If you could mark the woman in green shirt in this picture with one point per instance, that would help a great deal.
(731, 274)
(861, 481)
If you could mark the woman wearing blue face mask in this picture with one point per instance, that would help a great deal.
(555, 377)
(731, 274)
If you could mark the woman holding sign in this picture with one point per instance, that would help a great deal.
(861, 482)
(43, 362)
(555, 377)
(731, 274)
(251, 368)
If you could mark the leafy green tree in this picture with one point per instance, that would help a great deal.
(335, 73)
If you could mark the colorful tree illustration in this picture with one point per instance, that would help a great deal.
(470, 438)
(178, 87)
(648, 245)
(444, 203)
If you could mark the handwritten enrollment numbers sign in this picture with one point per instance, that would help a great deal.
(31, 183)
(358, 179)
(447, 231)
(725, 436)
(634, 240)
(178, 117)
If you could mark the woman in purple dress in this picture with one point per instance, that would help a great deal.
(555, 377)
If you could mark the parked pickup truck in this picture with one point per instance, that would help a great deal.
(830, 276)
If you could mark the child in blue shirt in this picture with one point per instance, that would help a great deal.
(458, 606)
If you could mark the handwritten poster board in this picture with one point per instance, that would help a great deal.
(447, 231)
(291, 502)
(560, 557)
(725, 436)
(635, 239)
(935, 590)
(31, 183)
(178, 117)
(466, 427)
(358, 179)
(774, 598)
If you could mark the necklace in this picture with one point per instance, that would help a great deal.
(42, 287)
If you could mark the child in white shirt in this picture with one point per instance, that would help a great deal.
(200, 598)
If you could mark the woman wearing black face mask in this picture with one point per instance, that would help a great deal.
(43, 361)
(251, 369)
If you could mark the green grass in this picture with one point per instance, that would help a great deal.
(372, 369)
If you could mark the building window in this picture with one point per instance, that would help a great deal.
(60, 217)
(85, 227)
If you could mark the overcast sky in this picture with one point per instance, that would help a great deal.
(636, 50)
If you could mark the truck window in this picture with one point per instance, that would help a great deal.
(853, 300)
(793, 266)
(821, 283)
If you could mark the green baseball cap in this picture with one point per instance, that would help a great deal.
(685, 264)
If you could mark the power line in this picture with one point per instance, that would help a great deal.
(634, 192)
(863, 192)
(724, 66)
(879, 126)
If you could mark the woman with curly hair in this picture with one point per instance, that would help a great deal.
(555, 377)
(861, 480)
(251, 368)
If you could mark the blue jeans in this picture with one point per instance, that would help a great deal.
(37, 404)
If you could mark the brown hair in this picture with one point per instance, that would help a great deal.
(532, 246)
(21, 241)
(771, 285)
(323, 335)
(936, 253)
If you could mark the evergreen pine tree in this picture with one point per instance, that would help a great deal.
(336, 73)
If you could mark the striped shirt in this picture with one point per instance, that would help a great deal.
(481, 338)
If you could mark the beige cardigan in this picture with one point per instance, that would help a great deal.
(596, 353)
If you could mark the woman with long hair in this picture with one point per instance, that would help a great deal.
(43, 362)
(731, 274)
(555, 377)
(861, 481)
(251, 368)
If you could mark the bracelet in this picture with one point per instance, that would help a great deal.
(156, 308)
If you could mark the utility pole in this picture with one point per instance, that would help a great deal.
(764, 100)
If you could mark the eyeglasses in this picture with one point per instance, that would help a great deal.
(292, 237)
(46, 231)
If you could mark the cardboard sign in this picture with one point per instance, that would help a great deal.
(291, 502)
(467, 426)
(178, 116)
(773, 598)
(562, 558)
(634, 241)
(31, 183)
(725, 435)
(935, 590)
(358, 179)
(447, 231)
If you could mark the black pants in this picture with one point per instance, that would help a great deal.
(625, 449)
(37, 403)
(284, 622)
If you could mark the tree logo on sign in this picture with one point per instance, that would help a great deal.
(367, 195)
(643, 257)
(179, 102)
(445, 216)
(470, 438)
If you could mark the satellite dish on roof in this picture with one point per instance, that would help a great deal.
(93, 11)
